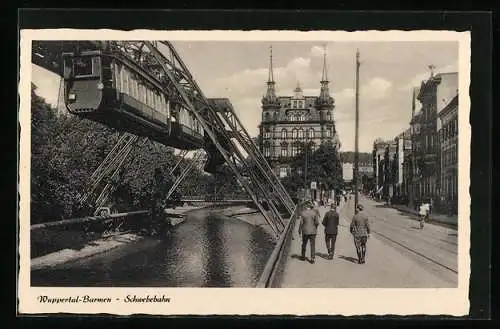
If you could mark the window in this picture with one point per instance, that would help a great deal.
(300, 133)
(311, 132)
(284, 150)
(294, 104)
(83, 66)
(295, 149)
(283, 133)
(294, 133)
(328, 133)
(283, 172)
(329, 116)
(267, 150)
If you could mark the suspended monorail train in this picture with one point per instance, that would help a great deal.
(105, 87)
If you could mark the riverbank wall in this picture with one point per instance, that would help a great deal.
(75, 249)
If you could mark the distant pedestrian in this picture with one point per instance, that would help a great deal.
(360, 229)
(331, 223)
(309, 221)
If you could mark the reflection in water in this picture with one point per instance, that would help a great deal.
(203, 251)
(215, 267)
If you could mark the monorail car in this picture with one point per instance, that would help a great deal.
(111, 89)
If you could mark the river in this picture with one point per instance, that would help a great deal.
(203, 251)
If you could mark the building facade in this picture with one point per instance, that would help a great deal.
(434, 94)
(406, 165)
(290, 124)
(421, 163)
(379, 164)
(448, 137)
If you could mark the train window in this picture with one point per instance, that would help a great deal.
(167, 107)
(126, 80)
(122, 80)
(133, 90)
(141, 93)
(83, 66)
(116, 70)
(162, 103)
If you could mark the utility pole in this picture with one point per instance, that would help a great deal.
(305, 169)
(356, 138)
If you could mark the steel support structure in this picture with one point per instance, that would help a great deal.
(166, 66)
(108, 171)
(185, 89)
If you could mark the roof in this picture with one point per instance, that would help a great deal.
(452, 105)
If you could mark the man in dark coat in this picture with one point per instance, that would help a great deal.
(331, 223)
(360, 229)
(309, 221)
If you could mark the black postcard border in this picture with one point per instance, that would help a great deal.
(480, 25)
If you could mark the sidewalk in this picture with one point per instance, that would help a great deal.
(385, 266)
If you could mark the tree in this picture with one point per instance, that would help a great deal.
(66, 150)
(323, 166)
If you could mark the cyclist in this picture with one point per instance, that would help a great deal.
(424, 213)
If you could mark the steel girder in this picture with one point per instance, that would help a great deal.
(193, 99)
(180, 87)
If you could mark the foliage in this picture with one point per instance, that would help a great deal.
(323, 166)
(65, 151)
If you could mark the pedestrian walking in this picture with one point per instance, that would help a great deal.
(331, 223)
(360, 229)
(309, 221)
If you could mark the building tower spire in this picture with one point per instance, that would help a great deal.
(271, 75)
(324, 77)
(325, 91)
(270, 96)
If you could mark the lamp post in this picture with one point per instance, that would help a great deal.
(356, 137)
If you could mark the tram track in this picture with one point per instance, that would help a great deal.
(413, 250)
(428, 239)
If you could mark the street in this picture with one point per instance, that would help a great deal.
(399, 254)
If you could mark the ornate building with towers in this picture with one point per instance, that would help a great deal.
(290, 124)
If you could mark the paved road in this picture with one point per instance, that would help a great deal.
(434, 246)
(399, 255)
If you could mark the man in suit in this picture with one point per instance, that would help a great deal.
(360, 229)
(331, 223)
(309, 221)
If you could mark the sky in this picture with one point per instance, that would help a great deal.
(239, 71)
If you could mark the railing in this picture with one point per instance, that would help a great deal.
(275, 263)
(87, 219)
